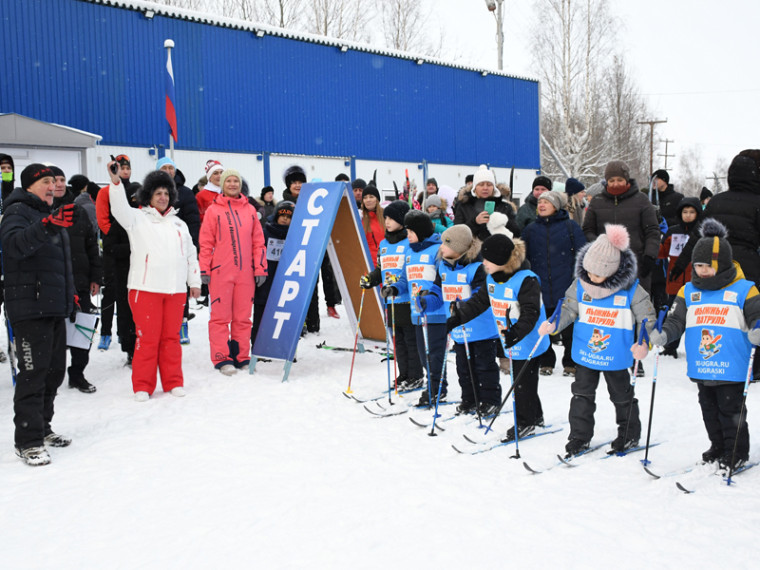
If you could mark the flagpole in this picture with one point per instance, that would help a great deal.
(169, 44)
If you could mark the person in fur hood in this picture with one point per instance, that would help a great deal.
(512, 295)
(717, 285)
(472, 210)
(460, 276)
(606, 303)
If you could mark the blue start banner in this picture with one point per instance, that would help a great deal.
(298, 269)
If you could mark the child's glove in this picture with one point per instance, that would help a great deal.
(640, 351)
(510, 338)
(658, 338)
(388, 291)
(547, 328)
(259, 280)
(364, 282)
(754, 336)
(422, 301)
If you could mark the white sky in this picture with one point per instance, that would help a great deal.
(696, 61)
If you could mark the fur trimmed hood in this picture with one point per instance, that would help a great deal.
(623, 278)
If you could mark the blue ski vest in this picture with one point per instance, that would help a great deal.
(421, 269)
(604, 331)
(392, 258)
(503, 296)
(455, 284)
(717, 347)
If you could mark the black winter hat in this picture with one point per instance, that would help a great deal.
(342, 177)
(33, 173)
(662, 175)
(419, 223)
(57, 171)
(294, 174)
(743, 170)
(153, 181)
(371, 190)
(432, 181)
(78, 182)
(498, 249)
(264, 191)
(93, 189)
(542, 181)
(705, 194)
(396, 211)
(468, 178)
(713, 247)
(358, 183)
(8, 159)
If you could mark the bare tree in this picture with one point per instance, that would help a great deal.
(347, 19)
(404, 29)
(196, 5)
(280, 13)
(718, 180)
(691, 175)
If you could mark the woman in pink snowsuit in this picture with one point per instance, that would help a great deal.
(233, 261)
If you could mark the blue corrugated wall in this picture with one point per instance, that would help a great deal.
(101, 69)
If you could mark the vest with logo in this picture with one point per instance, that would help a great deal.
(392, 257)
(421, 268)
(717, 347)
(455, 284)
(503, 296)
(604, 331)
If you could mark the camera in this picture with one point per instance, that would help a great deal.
(115, 166)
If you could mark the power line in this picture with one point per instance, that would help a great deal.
(704, 92)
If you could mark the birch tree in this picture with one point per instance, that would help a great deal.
(346, 19)
(404, 28)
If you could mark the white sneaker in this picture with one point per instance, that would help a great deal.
(34, 456)
(179, 391)
(228, 370)
(142, 396)
(57, 440)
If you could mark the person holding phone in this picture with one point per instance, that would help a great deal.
(476, 208)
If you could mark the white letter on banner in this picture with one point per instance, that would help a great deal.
(309, 225)
(297, 266)
(288, 293)
(280, 317)
(311, 206)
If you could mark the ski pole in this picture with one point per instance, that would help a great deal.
(642, 335)
(356, 341)
(744, 408)
(658, 325)
(472, 377)
(440, 384)
(427, 358)
(554, 317)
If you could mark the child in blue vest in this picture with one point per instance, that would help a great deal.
(461, 275)
(389, 269)
(718, 310)
(511, 287)
(418, 280)
(606, 303)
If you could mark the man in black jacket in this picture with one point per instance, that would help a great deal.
(40, 292)
(666, 198)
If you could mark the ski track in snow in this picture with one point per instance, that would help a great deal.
(251, 471)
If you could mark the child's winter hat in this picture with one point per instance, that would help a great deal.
(212, 166)
(458, 238)
(433, 200)
(420, 223)
(284, 207)
(483, 174)
(713, 248)
(497, 249)
(396, 211)
(603, 256)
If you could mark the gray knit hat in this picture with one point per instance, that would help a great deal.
(713, 248)
(554, 198)
(458, 238)
(433, 200)
(603, 257)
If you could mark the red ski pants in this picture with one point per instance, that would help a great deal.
(158, 317)
(230, 309)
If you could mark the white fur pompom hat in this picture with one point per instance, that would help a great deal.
(497, 224)
(603, 257)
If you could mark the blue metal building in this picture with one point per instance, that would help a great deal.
(99, 66)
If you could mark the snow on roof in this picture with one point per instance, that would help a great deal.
(237, 24)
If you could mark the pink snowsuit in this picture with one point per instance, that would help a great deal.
(232, 252)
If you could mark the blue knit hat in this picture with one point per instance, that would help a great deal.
(573, 186)
(163, 162)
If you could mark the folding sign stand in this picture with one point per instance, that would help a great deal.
(325, 210)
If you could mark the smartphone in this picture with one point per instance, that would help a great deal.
(114, 167)
(489, 207)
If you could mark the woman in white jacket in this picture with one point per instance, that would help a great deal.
(163, 263)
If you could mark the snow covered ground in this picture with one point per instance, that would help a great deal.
(252, 472)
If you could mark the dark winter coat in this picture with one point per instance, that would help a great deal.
(552, 243)
(276, 231)
(528, 211)
(115, 238)
(632, 210)
(289, 196)
(669, 201)
(7, 187)
(187, 207)
(85, 201)
(36, 261)
(739, 210)
(469, 207)
(86, 264)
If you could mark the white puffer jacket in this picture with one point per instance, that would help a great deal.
(163, 258)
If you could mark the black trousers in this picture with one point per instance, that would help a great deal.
(583, 403)
(124, 323)
(407, 355)
(80, 357)
(108, 300)
(41, 352)
(485, 369)
(527, 403)
(721, 407)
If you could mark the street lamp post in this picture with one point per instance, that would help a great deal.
(496, 6)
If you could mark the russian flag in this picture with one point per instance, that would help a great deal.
(171, 112)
